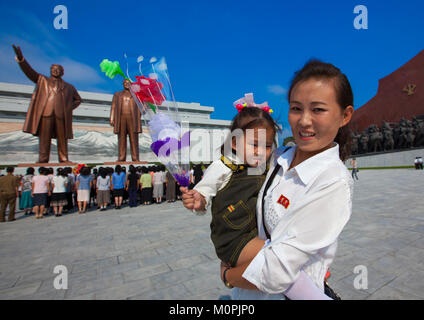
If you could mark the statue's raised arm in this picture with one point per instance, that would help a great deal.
(24, 65)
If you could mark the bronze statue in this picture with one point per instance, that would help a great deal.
(50, 111)
(125, 118)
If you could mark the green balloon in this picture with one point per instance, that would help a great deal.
(111, 69)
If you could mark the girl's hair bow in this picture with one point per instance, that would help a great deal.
(247, 101)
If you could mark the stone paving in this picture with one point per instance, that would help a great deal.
(163, 251)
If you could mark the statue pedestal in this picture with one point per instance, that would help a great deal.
(124, 163)
(47, 164)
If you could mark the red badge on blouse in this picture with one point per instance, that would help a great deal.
(284, 201)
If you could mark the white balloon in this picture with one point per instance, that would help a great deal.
(140, 58)
(153, 59)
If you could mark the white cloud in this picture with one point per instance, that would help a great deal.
(276, 89)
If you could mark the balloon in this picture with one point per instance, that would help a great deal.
(169, 141)
(111, 69)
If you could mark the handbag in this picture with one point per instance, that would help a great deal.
(330, 292)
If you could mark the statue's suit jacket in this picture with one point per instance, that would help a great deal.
(115, 113)
(39, 98)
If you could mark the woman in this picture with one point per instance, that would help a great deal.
(170, 187)
(146, 186)
(25, 202)
(103, 189)
(93, 195)
(40, 189)
(118, 185)
(354, 168)
(59, 184)
(83, 186)
(132, 186)
(158, 185)
(307, 201)
(197, 174)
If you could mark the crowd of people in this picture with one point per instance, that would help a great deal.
(68, 189)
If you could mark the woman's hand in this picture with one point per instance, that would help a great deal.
(223, 267)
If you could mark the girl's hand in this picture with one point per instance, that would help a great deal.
(192, 199)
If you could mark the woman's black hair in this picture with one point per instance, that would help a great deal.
(102, 172)
(132, 169)
(118, 169)
(249, 118)
(317, 69)
(42, 170)
(85, 171)
(61, 172)
(30, 170)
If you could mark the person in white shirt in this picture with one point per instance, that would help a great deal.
(308, 200)
(59, 184)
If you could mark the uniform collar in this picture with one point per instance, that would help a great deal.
(310, 168)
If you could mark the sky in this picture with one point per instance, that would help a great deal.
(216, 51)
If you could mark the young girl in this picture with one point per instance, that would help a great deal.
(232, 189)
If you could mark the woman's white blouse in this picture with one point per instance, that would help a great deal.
(306, 208)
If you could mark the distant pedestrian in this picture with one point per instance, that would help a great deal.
(59, 184)
(158, 181)
(70, 188)
(170, 187)
(118, 186)
(26, 202)
(8, 193)
(354, 168)
(132, 186)
(40, 191)
(197, 174)
(50, 175)
(146, 186)
(83, 187)
(93, 196)
(420, 163)
(103, 189)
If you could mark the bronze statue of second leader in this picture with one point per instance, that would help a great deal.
(125, 118)
(50, 111)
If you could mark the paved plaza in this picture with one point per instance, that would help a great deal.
(164, 251)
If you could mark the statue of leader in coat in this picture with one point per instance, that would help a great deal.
(49, 114)
(125, 118)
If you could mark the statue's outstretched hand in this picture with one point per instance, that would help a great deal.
(18, 52)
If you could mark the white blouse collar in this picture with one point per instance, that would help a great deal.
(310, 168)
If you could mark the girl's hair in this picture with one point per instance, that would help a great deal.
(42, 170)
(319, 70)
(249, 118)
(30, 170)
(118, 169)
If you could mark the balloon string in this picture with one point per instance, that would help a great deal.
(126, 59)
(153, 67)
